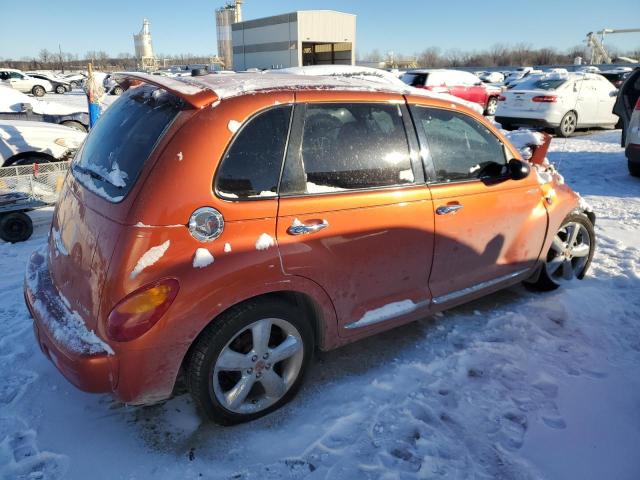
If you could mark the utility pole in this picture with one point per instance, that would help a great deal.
(61, 60)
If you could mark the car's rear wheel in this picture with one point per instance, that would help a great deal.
(75, 125)
(570, 254)
(567, 125)
(117, 90)
(249, 361)
(38, 91)
(492, 106)
(60, 89)
(15, 227)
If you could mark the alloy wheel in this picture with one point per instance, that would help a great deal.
(258, 366)
(569, 253)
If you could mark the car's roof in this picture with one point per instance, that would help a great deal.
(10, 69)
(206, 89)
(434, 70)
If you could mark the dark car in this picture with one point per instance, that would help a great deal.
(616, 77)
(627, 107)
(59, 86)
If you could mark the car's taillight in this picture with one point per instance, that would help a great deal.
(135, 314)
(545, 98)
(502, 98)
(637, 104)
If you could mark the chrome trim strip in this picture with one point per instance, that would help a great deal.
(475, 288)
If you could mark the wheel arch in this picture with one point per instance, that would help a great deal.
(12, 160)
(322, 322)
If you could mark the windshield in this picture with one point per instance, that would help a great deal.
(414, 79)
(121, 141)
(541, 84)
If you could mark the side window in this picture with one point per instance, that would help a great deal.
(353, 146)
(461, 148)
(16, 75)
(251, 167)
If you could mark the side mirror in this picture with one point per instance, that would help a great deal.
(26, 108)
(518, 169)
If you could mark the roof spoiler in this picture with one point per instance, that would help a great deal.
(196, 95)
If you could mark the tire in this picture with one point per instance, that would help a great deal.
(75, 125)
(60, 89)
(492, 106)
(634, 168)
(567, 125)
(558, 268)
(38, 91)
(117, 90)
(212, 387)
(73, 84)
(15, 227)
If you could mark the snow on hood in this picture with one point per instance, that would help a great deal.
(17, 136)
(11, 101)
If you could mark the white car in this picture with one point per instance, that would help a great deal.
(24, 142)
(374, 75)
(15, 105)
(492, 77)
(24, 83)
(563, 102)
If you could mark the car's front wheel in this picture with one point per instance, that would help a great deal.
(117, 90)
(38, 91)
(60, 89)
(249, 361)
(75, 125)
(570, 254)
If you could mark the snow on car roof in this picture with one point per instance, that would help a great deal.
(206, 89)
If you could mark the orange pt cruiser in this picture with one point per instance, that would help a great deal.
(224, 227)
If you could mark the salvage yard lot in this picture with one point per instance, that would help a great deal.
(494, 389)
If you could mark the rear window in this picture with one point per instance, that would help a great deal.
(121, 141)
(537, 84)
(414, 79)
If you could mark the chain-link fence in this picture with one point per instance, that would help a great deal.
(40, 182)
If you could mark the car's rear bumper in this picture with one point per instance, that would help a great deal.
(80, 355)
(525, 122)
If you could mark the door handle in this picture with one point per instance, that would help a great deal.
(446, 209)
(298, 228)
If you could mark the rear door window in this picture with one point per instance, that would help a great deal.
(351, 146)
(119, 144)
(251, 167)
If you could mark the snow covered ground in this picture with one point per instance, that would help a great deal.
(517, 385)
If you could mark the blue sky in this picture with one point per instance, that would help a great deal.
(188, 26)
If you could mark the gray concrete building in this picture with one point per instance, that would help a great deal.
(310, 37)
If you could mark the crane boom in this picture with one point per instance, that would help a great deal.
(599, 54)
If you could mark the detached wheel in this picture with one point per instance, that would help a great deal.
(60, 89)
(492, 106)
(15, 227)
(570, 254)
(38, 91)
(250, 361)
(117, 90)
(567, 125)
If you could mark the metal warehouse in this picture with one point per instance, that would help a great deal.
(310, 37)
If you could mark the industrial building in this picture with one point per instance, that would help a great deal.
(311, 37)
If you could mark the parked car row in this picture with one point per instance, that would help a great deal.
(39, 83)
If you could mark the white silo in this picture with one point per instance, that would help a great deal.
(143, 47)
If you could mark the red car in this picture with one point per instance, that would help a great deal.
(458, 83)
